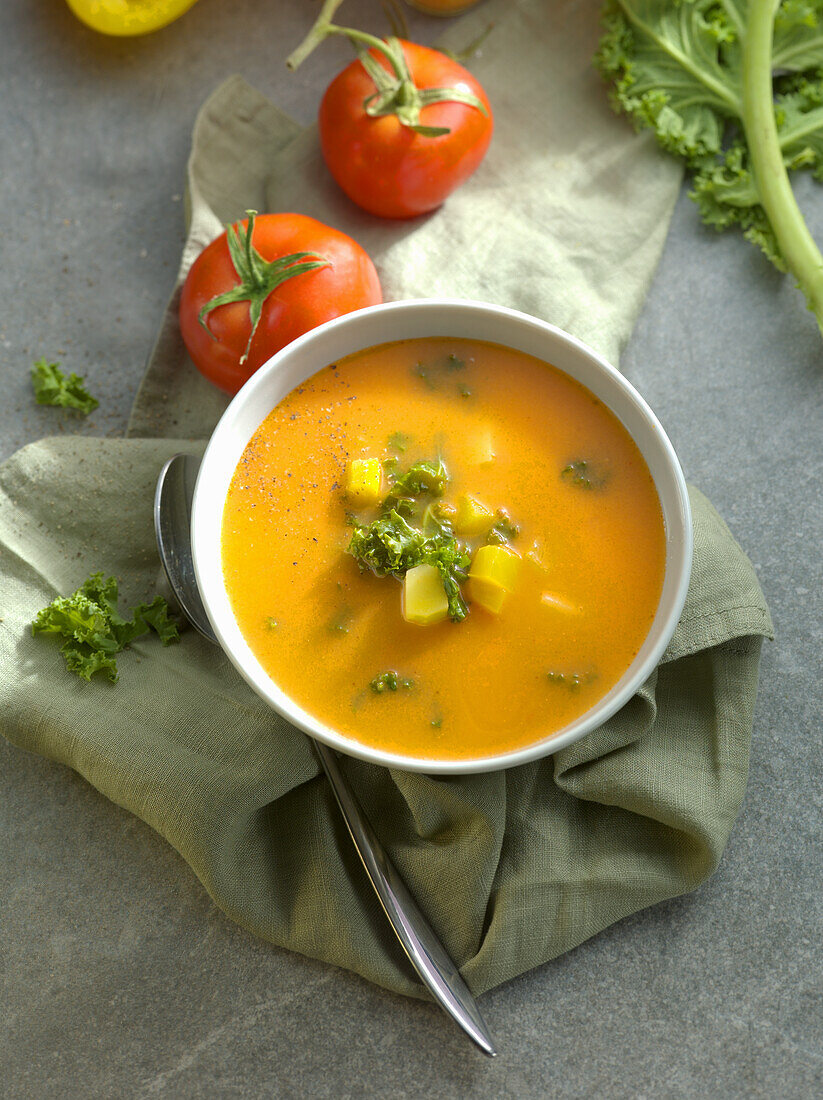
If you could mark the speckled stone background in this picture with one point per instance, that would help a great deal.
(118, 978)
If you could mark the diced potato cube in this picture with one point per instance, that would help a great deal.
(488, 595)
(480, 449)
(492, 576)
(496, 565)
(472, 517)
(424, 598)
(364, 483)
(559, 603)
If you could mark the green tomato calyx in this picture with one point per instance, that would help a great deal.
(398, 95)
(258, 277)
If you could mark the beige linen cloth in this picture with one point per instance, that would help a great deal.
(565, 219)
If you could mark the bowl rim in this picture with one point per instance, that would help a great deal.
(215, 598)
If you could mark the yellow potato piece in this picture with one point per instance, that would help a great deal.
(488, 595)
(364, 482)
(492, 575)
(424, 599)
(496, 565)
(472, 517)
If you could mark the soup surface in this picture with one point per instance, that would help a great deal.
(554, 483)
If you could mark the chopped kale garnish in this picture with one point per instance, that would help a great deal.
(435, 374)
(406, 507)
(420, 478)
(340, 622)
(453, 563)
(584, 475)
(423, 372)
(390, 681)
(434, 522)
(573, 681)
(390, 545)
(387, 545)
(504, 530)
(398, 441)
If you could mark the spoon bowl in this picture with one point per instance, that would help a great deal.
(172, 527)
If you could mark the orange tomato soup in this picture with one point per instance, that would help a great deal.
(516, 434)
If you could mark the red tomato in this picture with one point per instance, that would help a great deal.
(387, 167)
(225, 351)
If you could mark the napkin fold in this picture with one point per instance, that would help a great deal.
(565, 219)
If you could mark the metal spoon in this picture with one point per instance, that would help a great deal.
(172, 515)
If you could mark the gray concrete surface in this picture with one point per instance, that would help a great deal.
(118, 976)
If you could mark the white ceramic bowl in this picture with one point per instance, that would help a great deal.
(407, 320)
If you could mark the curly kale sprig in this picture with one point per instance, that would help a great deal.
(391, 546)
(52, 387)
(93, 630)
(421, 479)
(387, 545)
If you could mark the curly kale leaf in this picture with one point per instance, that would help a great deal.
(387, 545)
(421, 478)
(390, 545)
(504, 530)
(736, 89)
(52, 387)
(94, 630)
(584, 474)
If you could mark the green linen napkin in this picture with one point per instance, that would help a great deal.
(566, 219)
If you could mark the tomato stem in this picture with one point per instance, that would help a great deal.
(396, 93)
(258, 277)
(320, 30)
(323, 28)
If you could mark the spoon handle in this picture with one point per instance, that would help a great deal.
(428, 956)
